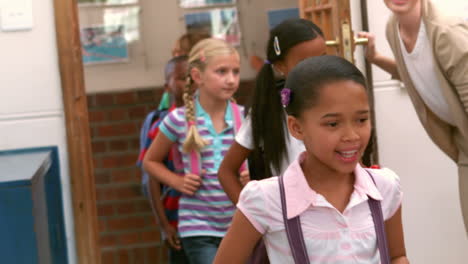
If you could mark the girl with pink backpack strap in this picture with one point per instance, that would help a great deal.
(202, 130)
(325, 207)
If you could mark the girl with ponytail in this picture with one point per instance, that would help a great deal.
(202, 130)
(264, 137)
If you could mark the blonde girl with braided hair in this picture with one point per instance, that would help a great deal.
(203, 131)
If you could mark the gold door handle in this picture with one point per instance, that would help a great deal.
(361, 41)
(357, 41)
(332, 43)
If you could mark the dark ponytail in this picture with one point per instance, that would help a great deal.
(268, 118)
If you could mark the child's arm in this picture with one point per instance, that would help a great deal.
(239, 242)
(156, 202)
(228, 170)
(396, 242)
(154, 165)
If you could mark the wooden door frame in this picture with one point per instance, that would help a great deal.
(78, 134)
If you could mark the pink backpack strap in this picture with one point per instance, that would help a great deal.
(195, 157)
(195, 162)
(237, 118)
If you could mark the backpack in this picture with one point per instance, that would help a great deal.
(145, 142)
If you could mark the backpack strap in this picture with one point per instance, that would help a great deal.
(195, 157)
(237, 118)
(293, 230)
(377, 216)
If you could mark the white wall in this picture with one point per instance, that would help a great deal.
(162, 22)
(432, 220)
(31, 108)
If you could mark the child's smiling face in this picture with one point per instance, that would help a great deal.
(337, 128)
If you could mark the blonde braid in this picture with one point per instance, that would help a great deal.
(193, 141)
(199, 56)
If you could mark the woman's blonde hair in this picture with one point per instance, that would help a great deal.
(199, 57)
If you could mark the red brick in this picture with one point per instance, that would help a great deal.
(127, 192)
(96, 116)
(110, 162)
(118, 145)
(105, 210)
(107, 240)
(102, 225)
(125, 98)
(102, 177)
(164, 255)
(152, 254)
(142, 206)
(125, 176)
(150, 236)
(96, 162)
(104, 99)
(117, 114)
(158, 94)
(105, 194)
(98, 146)
(93, 131)
(119, 161)
(117, 130)
(126, 208)
(135, 144)
(139, 255)
(137, 112)
(129, 159)
(107, 257)
(129, 239)
(90, 100)
(146, 96)
(124, 256)
(124, 223)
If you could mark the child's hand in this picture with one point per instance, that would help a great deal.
(189, 184)
(370, 51)
(244, 177)
(172, 239)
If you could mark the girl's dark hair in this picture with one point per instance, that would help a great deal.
(268, 120)
(306, 79)
(170, 65)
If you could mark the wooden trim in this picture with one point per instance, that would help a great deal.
(371, 155)
(78, 134)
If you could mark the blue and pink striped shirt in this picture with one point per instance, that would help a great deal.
(209, 211)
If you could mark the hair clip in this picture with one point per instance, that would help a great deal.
(285, 96)
(276, 46)
(267, 62)
(202, 56)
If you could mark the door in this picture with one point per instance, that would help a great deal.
(334, 17)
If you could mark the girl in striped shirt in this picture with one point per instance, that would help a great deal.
(203, 131)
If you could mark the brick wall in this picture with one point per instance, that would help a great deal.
(128, 231)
